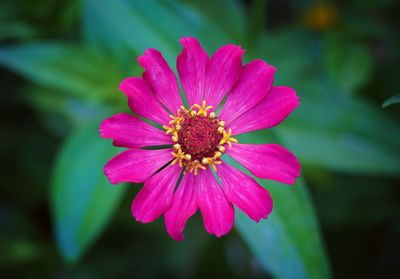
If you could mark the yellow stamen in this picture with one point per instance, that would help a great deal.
(202, 110)
(212, 162)
(217, 155)
(170, 130)
(226, 138)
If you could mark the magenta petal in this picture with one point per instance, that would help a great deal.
(269, 112)
(136, 165)
(132, 132)
(223, 71)
(156, 195)
(270, 161)
(142, 101)
(183, 207)
(191, 65)
(244, 192)
(161, 78)
(254, 84)
(218, 213)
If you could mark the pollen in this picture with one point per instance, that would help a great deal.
(199, 137)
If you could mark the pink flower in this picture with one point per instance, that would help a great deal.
(195, 137)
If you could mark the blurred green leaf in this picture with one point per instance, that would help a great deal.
(293, 63)
(82, 200)
(348, 134)
(15, 30)
(257, 18)
(182, 20)
(133, 26)
(123, 27)
(70, 69)
(391, 101)
(288, 243)
(342, 151)
(329, 129)
(60, 112)
(349, 65)
(233, 25)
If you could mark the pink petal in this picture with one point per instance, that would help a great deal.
(269, 112)
(223, 71)
(130, 131)
(142, 101)
(218, 213)
(244, 192)
(156, 195)
(191, 65)
(270, 161)
(183, 207)
(161, 78)
(254, 84)
(136, 165)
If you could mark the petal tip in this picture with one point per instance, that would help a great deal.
(128, 82)
(144, 58)
(231, 48)
(139, 216)
(177, 236)
(110, 176)
(188, 39)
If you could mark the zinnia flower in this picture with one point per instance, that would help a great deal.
(177, 163)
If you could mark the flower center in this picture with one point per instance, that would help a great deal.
(199, 136)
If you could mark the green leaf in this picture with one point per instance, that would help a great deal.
(233, 25)
(342, 151)
(348, 135)
(391, 101)
(294, 63)
(69, 69)
(60, 112)
(133, 26)
(16, 30)
(257, 18)
(82, 200)
(329, 129)
(288, 243)
(123, 27)
(349, 65)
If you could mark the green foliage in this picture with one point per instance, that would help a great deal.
(348, 64)
(286, 243)
(68, 69)
(123, 18)
(330, 129)
(391, 101)
(233, 25)
(82, 199)
(343, 139)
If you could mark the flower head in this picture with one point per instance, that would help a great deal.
(193, 139)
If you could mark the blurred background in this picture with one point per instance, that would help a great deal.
(61, 63)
